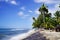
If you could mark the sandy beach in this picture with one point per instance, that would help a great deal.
(44, 35)
(51, 35)
(38, 35)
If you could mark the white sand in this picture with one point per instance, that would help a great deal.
(51, 35)
(24, 35)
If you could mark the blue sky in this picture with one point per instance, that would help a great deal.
(19, 13)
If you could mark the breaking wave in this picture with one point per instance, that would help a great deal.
(24, 35)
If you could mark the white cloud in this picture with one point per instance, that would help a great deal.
(10, 1)
(39, 1)
(26, 15)
(22, 15)
(3, 0)
(13, 2)
(57, 7)
(47, 1)
(54, 9)
(30, 11)
(22, 8)
(37, 11)
(6, 0)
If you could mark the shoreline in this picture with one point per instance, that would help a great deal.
(37, 35)
(24, 35)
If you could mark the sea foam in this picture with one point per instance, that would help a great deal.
(15, 29)
(22, 36)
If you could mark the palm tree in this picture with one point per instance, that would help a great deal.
(57, 15)
(43, 11)
(44, 19)
(36, 23)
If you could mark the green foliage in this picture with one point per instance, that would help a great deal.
(57, 16)
(36, 23)
(45, 20)
(43, 8)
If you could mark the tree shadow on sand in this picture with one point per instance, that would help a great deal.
(36, 36)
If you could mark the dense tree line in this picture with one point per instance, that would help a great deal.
(45, 19)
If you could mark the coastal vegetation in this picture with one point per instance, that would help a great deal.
(45, 19)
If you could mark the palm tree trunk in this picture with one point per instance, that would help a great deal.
(44, 18)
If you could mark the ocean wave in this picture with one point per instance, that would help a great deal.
(10, 29)
(22, 36)
(16, 29)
